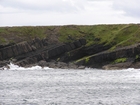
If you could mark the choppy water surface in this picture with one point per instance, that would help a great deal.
(37, 86)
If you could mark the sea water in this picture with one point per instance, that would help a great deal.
(46, 86)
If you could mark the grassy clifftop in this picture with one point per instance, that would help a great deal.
(114, 35)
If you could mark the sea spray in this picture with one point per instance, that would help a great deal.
(12, 66)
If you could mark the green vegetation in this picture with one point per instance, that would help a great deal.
(69, 33)
(137, 56)
(18, 34)
(87, 60)
(113, 35)
(2, 40)
(120, 60)
(69, 54)
(58, 59)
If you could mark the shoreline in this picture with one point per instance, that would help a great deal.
(63, 65)
(72, 46)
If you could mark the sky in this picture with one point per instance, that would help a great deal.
(68, 12)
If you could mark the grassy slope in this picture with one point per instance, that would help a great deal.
(113, 35)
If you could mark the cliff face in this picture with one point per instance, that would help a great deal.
(40, 52)
(128, 55)
(27, 53)
(71, 46)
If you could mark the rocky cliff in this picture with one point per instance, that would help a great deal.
(69, 55)
(31, 52)
(106, 47)
(124, 57)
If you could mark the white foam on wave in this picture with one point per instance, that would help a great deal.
(128, 69)
(12, 66)
(132, 69)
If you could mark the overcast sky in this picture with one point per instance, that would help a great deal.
(65, 12)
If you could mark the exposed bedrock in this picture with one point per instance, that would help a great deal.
(68, 55)
(131, 53)
(27, 53)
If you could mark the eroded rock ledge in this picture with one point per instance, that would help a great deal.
(29, 53)
(125, 57)
(73, 55)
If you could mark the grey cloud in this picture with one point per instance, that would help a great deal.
(131, 7)
(46, 5)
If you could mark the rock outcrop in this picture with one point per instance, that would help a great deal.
(61, 55)
(28, 53)
(106, 57)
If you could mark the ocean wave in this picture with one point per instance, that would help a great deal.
(12, 66)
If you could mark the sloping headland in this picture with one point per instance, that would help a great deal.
(72, 46)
